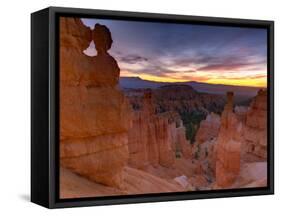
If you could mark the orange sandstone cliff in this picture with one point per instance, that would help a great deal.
(94, 113)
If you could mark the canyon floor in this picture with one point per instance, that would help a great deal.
(157, 180)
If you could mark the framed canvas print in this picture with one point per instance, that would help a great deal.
(139, 107)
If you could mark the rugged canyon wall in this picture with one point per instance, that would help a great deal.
(183, 98)
(255, 133)
(155, 139)
(228, 146)
(94, 113)
(179, 98)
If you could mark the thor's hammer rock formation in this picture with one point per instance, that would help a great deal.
(228, 146)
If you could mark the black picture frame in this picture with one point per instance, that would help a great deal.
(45, 103)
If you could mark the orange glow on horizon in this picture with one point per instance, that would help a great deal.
(250, 82)
(262, 83)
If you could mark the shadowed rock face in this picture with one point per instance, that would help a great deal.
(102, 38)
(93, 128)
(104, 68)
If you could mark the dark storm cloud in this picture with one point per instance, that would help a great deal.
(132, 59)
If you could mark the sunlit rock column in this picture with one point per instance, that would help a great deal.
(228, 146)
(94, 114)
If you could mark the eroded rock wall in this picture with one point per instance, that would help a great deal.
(94, 113)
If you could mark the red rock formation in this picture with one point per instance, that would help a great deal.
(228, 146)
(255, 133)
(180, 145)
(209, 128)
(183, 144)
(94, 114)
(206, 155)
(160, 127)
(155, 139)
(138, 140)
(204, 148)
(74, 38)
(149, 138)
(146, 152)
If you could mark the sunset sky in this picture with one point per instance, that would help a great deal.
(184, 52)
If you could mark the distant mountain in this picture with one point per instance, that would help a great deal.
(138, 83)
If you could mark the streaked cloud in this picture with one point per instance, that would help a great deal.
(185, 52)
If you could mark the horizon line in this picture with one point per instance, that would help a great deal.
(151, 80)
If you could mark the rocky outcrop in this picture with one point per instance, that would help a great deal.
(177, 98)
(75, 186)
(135, 182)
(94, 113)
(206, 155)
(242, 138)
(228, 146)
(156, 139)
(255, 133)
(253, 174)
(209, 128)
(182, 146)
(140, 182)
(74, 38)
(149, 140)
(204, 148)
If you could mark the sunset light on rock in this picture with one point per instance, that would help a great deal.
(150, 108)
